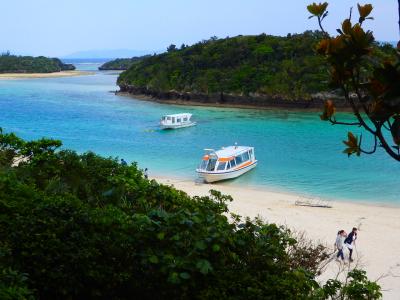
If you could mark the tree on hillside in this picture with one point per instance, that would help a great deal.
(370, 83)
(171, 48)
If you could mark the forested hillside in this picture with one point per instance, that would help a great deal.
(245, 66)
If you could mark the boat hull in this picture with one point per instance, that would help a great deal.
(177, 126)
(210, 177)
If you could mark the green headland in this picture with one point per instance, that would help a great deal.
(253, 70)
(29, 64)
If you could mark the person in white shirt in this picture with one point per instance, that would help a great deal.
(339, 244)
(350, 241)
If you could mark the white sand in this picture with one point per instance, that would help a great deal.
(378, 244)
(43, 75)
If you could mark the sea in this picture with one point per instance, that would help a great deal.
(297, 152)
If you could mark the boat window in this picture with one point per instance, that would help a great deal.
(228, 165)
(245, 156)
(184, 119)
(211, 164)
(238, 159)
(251, 152)
(178, 120)
(169, 118)
(221, 166)
(203, 165)
(173, 119)
(233, 163)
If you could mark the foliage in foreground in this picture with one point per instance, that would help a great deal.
(29, 64)
(370, 83)
(82, 226)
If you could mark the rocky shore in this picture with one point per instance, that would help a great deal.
(315, 102)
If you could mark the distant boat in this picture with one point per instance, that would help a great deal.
(227, 163)
(176, 121)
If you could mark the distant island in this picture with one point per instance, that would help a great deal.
(258, 71)
(29, 64)
(107, 54)
(121, 64)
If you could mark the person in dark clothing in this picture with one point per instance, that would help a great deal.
(146, 173)
(123, 162)
(349, 242)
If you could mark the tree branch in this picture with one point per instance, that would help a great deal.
(399, 14)
(378, 133)
(321, 27)
(355, 110)
(386, 146)
(373, 149)
(334, 122)
(389, 126)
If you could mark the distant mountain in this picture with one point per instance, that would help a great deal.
(86, 60)
(108, 53)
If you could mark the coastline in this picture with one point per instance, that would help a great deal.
(180, 102)
(378, 244)
(43, 75)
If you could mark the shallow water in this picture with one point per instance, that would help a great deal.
(296, 151)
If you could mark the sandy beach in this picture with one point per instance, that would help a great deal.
(43, 75)
(378, 245)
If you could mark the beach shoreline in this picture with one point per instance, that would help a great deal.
(378, 244)
(157, 175)
(43, 75)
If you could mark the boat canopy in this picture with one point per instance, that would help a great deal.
(184, 115)
(227, 153)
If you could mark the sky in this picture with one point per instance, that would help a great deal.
(61, 27)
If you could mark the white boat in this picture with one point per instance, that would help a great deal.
(176, 121)
(227, 163)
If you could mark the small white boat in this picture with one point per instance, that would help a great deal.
(227, 163)
(176, 121)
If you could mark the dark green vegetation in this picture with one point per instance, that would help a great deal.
(370, 82)
(121, 63)
(29, 64)
(248, 66)
(85, 227)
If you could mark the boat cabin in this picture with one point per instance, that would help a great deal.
(176, 120)
(230, 158)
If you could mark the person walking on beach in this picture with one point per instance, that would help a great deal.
(339, 244)
(350, 241)
(146, 173)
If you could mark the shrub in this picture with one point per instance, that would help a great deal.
(82, 226)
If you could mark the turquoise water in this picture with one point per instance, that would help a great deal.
(296, 151)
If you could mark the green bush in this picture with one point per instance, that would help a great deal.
(84, 227)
